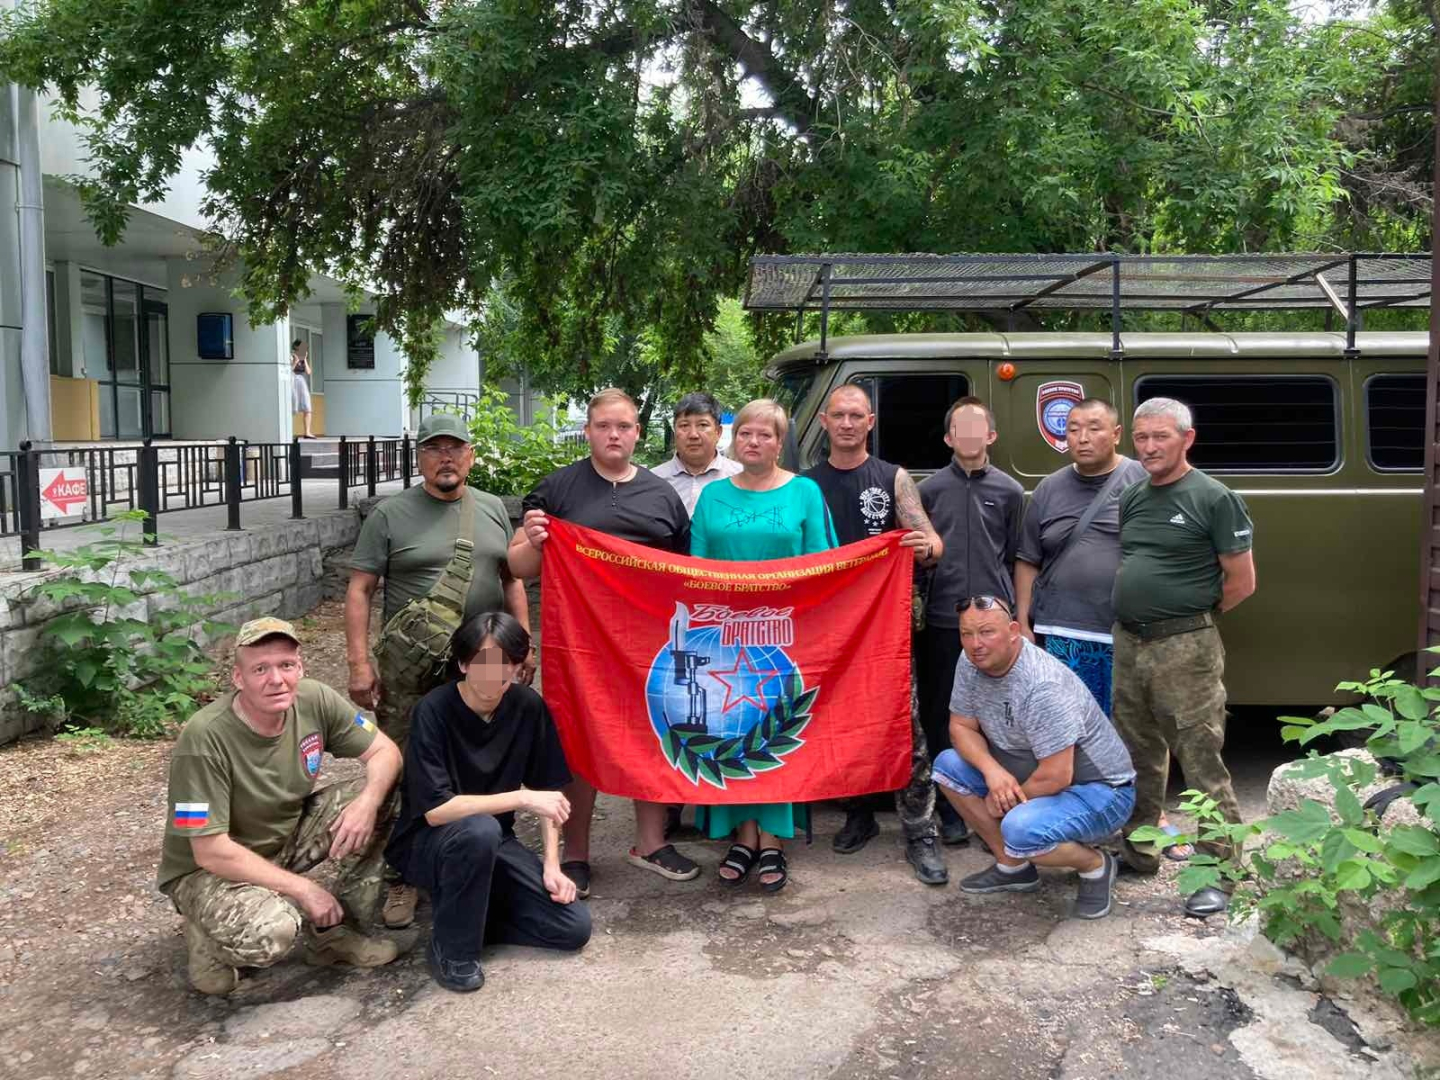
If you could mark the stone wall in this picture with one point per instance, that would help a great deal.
(284, 569)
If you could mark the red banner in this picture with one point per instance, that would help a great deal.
(674, 679)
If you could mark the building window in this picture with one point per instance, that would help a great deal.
(1395, 422)
(1256, 423)
(50, 317)
(910, 417)
(125, 343)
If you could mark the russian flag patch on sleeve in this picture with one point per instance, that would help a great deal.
(364, 724)
(192, 815)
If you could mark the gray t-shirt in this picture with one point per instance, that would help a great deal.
(1036, 709)
(1076, 601)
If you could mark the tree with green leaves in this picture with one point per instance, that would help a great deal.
(593, 175)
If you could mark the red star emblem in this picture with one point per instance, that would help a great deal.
(744, 672)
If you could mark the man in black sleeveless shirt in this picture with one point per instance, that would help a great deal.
(867, 497)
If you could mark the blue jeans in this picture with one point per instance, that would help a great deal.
(1081, 814)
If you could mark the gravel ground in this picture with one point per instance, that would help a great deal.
(854, 971)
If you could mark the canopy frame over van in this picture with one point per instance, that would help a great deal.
(1193, 285)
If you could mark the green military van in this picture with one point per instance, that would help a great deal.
(1323, 433)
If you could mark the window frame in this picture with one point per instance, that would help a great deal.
(1336, 400)
(871, 382)
(1365, 404)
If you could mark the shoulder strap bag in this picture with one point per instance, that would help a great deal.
(414, 646)
(1108, 491)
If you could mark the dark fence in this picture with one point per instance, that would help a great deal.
(163, 478)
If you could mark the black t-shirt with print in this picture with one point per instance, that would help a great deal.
(861, 500)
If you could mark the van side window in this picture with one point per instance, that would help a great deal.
(1256, 423)
(1395, 422)
(910, 417)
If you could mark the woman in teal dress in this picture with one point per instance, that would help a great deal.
(763, 512)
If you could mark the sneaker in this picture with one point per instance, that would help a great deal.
(924, 855)
(399, 909)
(1092, 900)
(343, 945)
(667, 862)
(859, 829)
(954, 833)
(996, 880)
(461, 976)
(210, 972)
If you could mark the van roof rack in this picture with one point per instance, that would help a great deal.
(1007, 284)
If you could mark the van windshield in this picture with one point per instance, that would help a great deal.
(791, 388)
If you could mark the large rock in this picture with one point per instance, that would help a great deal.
(1288, 789)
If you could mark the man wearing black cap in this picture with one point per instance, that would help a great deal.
(441, 549)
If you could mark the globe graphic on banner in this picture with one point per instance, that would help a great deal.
(740, 683)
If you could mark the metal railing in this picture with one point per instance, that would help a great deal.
(464, 402)
(162, 479)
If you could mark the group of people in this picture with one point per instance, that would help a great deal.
(1063, 651)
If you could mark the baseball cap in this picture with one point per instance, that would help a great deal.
(256, 629)
(442, 424)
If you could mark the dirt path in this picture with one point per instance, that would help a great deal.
(855, 971)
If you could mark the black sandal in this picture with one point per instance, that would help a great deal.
(772, 861)
(740, 859)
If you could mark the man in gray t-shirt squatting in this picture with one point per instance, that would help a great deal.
(1037, 770)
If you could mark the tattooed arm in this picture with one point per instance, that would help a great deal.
(910, 513)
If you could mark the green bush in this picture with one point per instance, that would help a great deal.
(1313, 875)
(107, 668)
(510, 459)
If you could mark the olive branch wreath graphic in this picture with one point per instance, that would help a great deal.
(715, 760)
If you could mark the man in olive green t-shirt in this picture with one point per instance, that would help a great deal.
(1185, 542)
(244, 822)
(407, 540)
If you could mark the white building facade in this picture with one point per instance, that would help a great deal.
(122, 325)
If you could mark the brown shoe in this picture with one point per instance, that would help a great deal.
(343, 945)
(210, 972)
(399, 909)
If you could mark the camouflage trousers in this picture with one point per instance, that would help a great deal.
(253, 926)
(915, 802)
(397, 702)
(392, 716)
(1169, 698)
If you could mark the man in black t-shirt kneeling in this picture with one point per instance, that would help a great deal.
(482, 747)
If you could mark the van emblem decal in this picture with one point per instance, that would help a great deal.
(1053, 402)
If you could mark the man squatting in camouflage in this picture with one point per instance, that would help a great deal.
(243, 824)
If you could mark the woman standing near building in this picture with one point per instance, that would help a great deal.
(763, 512)
(300, 382)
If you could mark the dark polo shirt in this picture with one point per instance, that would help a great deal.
(978, 515)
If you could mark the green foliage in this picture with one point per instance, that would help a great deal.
(84, 741)
(115, 663)
(1317, 868)
(593, 176)
(510, 459)
(734, 368)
